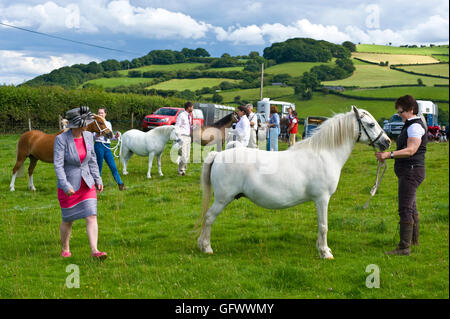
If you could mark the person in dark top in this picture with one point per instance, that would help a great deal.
(410, 169)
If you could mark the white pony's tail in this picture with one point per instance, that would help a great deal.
(20, 171)
(206, 183)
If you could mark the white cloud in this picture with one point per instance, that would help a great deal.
(18, 66)
(100, 16)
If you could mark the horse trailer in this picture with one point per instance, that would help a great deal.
(213, 112)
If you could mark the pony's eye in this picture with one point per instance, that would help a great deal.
(372, 124)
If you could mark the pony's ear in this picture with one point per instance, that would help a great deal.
(354, 109)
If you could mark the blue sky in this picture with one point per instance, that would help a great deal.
(232, 26)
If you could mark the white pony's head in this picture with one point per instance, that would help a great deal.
(175, 135)
(369, 131)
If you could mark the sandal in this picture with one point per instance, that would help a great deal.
(66, 254)
(101, 255)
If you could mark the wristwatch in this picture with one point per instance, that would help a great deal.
(392, 154)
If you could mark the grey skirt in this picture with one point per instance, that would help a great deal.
(83, 209)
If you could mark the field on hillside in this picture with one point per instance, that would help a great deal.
(434, 69)
(147, 231)
(441, 57)
(395, 58)
(295, 68)
(253, 94)
(367, 75)
(114, 82)
(420, 93)
(190, 84)
(164, 67)
(398, 50)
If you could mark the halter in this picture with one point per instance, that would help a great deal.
(380, 164)
(361, 126)
(100, 130)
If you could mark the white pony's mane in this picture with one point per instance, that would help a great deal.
(331, 134)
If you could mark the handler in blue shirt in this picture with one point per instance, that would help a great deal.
(102, 145)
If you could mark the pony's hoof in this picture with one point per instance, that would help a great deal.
(161, 174)
(149, 177)
(12, 189)
(32, 188)
(125, 173)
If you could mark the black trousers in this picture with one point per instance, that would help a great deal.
(409, 179)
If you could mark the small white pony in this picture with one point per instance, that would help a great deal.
(148, 144)
(309, 170)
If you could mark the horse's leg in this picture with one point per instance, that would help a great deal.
(124, 158)
(322, 223)
(159, 165)
(204, 241)
(18, 167)
(33, 162)
(150, 161)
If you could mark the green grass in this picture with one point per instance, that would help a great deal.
(259, 253)
(433, 69)
(253, 94)
(164, 67)
(114, 82)
(442, 58)
(420, 93)
(226, 69)
(295, 68)
(373, 75)
(398, 50)
(190, 84)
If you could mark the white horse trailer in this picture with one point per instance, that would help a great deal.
(264, 107)
(213, 112)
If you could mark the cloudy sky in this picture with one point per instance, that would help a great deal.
(232, 26)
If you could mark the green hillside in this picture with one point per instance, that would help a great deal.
(115, 82)
(420, 93)
(436, 69)
(295, 68)
(401, 50)
(164, 67)
(374, 75)
(190, 84)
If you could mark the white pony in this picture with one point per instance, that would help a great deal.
(309, 170)
(148, 144)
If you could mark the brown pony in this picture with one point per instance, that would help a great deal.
(210, 133)
(38, 145)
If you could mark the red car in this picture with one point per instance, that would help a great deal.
(168, 116)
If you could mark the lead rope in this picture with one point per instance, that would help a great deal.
(377, 181)
(115, 148)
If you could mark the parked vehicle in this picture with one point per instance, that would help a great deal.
(264, 107)
(311, 124)
(168, 116)
(427, 110)
(212, 112)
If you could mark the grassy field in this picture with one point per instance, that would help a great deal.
(367, 75)
(398, 50)
(148, 234)
(294, 68)
(114, 82)
(323, 104)
(395, 58)
(441, 57)
(164, 67)
(190, 84)
(420, 93)
(253, 94)
(434, 69)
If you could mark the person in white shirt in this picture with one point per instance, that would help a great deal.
(184, 124)
(253, 120)
(242, 130)
(102, 150)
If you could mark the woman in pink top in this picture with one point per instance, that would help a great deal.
(78, 178)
